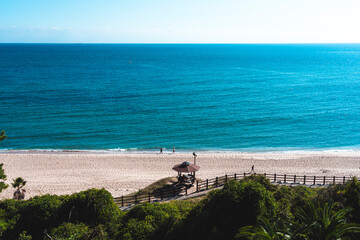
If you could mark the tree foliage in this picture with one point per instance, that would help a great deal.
(18, 183)
(153, 221)
(2, 135)
(3, 177)
(3, 185)
(92, 208)
(221, 214)
(323, 222)
(72, 231)
(266, 230)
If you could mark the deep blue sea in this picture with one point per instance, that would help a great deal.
(236, 97)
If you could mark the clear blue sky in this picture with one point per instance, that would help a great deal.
(180, 21)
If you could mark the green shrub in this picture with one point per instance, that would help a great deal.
(224, 211)
(153, 221)
(284, 196)
(323, 221)
(335, 193)
(24, 236)
(92, 206)
(138, 229)
(92, 214)
(71, 231)
(352, 199)
(263, 181)
(9, 215)
(39, 213)
(302, 195)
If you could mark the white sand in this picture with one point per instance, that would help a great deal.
(123, 173)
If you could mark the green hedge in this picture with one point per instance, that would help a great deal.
(92, 207)
(92, 214)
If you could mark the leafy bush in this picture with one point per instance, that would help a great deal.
(284, 196)
(263, 181)
(153, 221)
(322, 221)
(302, 195)
(138, 229)
(46, 212)
(39, 213)
(352, 199)
(333, 192)
(224, 211)
(92, 206)
(9, 215)
(70, 231)
(3, 177)
(24, 236)
(92, 214)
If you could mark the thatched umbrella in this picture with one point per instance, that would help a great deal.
(186, 167)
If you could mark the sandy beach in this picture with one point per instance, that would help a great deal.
(123, 173)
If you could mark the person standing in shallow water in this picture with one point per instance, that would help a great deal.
(173, 149)
(160, 150)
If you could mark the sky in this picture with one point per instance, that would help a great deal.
(179, 21)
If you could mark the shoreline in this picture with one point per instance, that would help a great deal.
(184, 151)
(123, 173)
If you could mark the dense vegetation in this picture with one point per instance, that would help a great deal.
(248, 209)
(3, 185)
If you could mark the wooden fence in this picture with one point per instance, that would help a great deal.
(176, 190)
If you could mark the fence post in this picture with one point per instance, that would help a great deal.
(162, 194)
(324, 180)
(207, 184)
(304, 179)
(285, 178)
(244, 174)
(314, 180)
(149, 197)
(197, 185)
(225, 178)
(343, 179)
(174, 191)
(185, 190)
(135, 199)
(216, 183)
(234, 176)
(294, 178)
(265, 175)
(334, 180)
(274, 177)
(122, 200)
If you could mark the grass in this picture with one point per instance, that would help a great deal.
(195, 199)
(156, 185)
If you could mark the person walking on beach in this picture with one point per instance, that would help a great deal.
(173, 149)
(252, 169)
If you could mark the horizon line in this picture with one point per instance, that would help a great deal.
(179, 43)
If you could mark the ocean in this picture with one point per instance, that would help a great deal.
(211, 97)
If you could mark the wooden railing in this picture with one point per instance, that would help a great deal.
(176, 190)
(157, 195)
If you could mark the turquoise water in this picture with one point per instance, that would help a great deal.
(188, 96)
